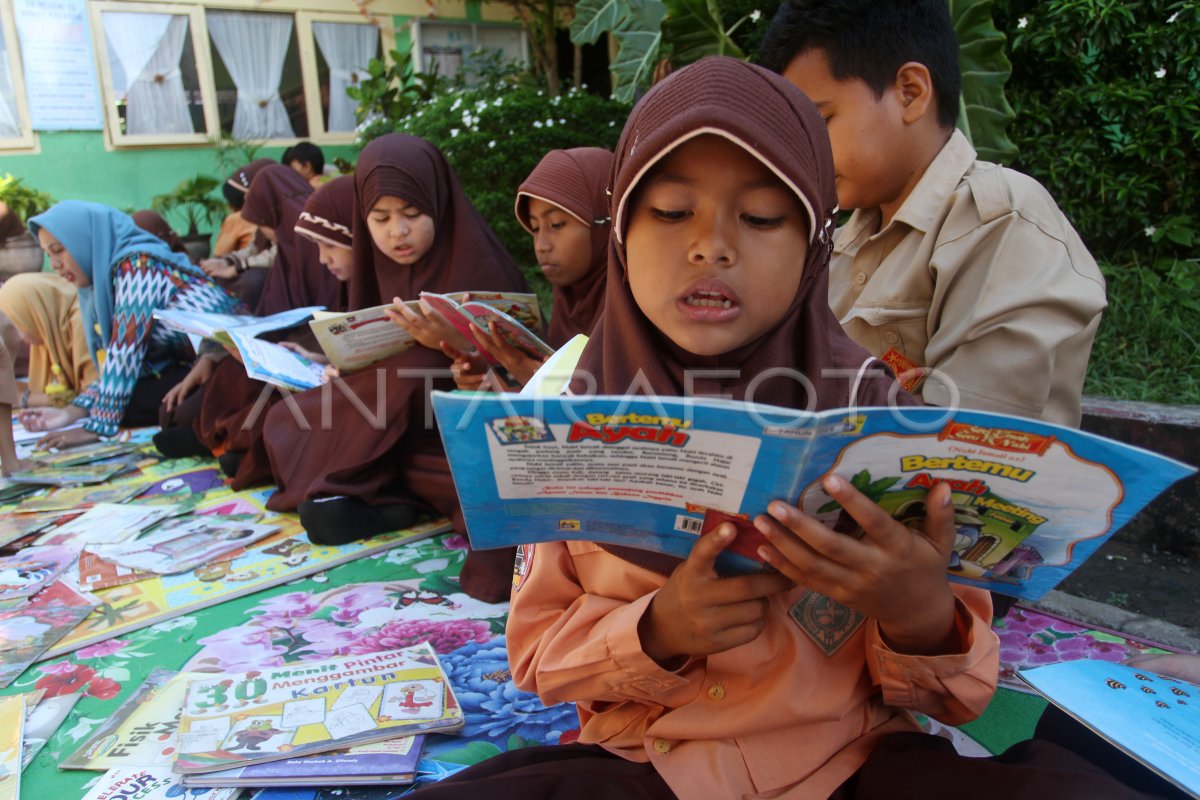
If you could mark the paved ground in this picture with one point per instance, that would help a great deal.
(1135, 588)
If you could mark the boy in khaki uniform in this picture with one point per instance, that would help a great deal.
(948, 263)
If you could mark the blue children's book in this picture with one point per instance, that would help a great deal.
(1154, 719)
(1032, 499)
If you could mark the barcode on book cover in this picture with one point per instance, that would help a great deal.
(688, 524)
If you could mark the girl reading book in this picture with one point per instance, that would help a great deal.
(123, 275)
(784, 684)
(371, 459)
(234, 410)
(564, 206)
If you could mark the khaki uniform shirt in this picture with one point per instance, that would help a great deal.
(789, 715)
(980, 277)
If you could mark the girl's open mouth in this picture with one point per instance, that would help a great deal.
(709, 300)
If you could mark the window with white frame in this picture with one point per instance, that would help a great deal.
(15, 131)
(174, 74)
(444, 47)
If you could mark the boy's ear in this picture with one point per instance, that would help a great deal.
(914, 88)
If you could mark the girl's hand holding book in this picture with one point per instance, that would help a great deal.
(426, 325)
(894, 574)
(698, 613)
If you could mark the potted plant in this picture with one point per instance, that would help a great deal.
(21, 253)
(194, 198)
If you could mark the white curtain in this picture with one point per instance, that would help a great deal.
(253, 47)
(8, 100)
(149, 48)
(347, 48)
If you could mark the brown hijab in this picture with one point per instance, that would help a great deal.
(328, 217)
(297, 278)
(576, 181)
(152, 222)
(773, 121)
(241, 178)
(466, 254)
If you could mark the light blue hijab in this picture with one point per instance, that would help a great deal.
(98, 238)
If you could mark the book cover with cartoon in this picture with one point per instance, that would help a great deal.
(1033, 500)
(300, 709)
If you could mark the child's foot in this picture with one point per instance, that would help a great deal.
(179, 442)
(338, 520)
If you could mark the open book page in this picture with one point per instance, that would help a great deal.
(274, 364)
(521, 306)
(1154, 719)
(1032, 500)
(358, 339)
(554, 376)
(217, 326)
(461, 313)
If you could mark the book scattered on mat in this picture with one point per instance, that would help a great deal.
(1032, 499)
(12, 725)
(184, 543)
(150, 783)
(1152, 718)
(29, 629)
(31, 570)
(141, 732)
(71, 498)
(42, 721)
(390, 762)
(237, 719)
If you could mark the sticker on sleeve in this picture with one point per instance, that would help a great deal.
(522, 565)
(827, 622)
(909, 374)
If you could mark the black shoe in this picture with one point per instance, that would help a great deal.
(339, 520)
(180, 442)
(230, 460)
(1001, 605)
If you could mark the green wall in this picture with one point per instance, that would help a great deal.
(75, 166)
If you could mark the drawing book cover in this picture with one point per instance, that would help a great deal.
(141, 732)
(300, 709)
(1032, 500)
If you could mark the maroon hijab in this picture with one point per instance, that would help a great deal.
(152, 222)
(773, 121)
(328, 217)
(297, 278)
(243, 177)
(576, 181)
(466, 253)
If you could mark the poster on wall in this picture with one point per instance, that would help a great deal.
(60, 67)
